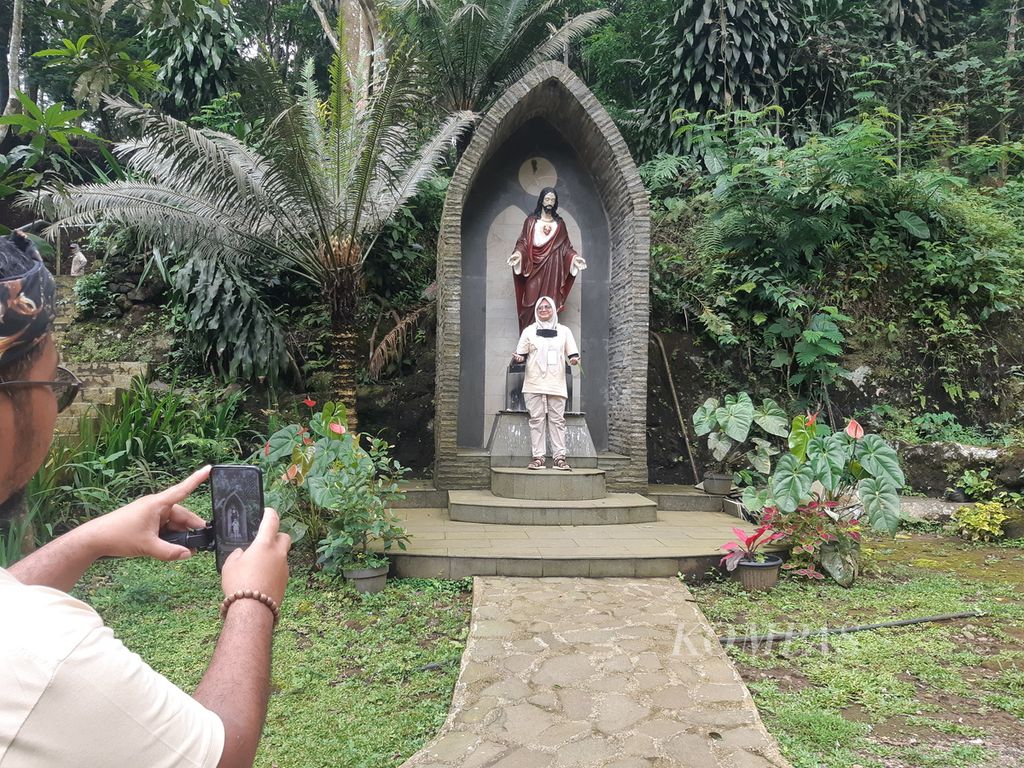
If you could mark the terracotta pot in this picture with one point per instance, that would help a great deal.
(717, 484)
(367, 580)
(759, 577)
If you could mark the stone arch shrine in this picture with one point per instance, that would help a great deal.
(547, 130)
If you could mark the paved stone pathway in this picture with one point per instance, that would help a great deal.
(616, 673)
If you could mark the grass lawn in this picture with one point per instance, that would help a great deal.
(357, 681)
(925, 696)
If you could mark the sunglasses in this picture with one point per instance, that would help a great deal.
(65, 388)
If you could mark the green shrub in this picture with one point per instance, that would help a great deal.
(327, 485)
(92, 297)
(794, 252)
(982, 521)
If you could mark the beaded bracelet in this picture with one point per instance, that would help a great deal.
(250, 594)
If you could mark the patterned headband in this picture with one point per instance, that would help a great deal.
(27, 310)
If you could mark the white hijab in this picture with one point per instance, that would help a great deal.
(546, 345)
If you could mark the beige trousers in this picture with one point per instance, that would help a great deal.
(550, 409)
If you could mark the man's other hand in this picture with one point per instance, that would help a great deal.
(263, 566)
(134, 529)
(516, 262)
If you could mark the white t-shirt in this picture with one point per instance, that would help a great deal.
(545, 362)
(71, 694)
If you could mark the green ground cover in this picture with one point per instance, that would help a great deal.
(359, 681)
(938, 694)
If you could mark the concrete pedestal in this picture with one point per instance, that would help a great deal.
(509, 443)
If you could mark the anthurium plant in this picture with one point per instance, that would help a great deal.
(746, 546)
(336, 485)
(853, 469)
(729, 424)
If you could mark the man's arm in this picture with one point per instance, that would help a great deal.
(236, 685)
(131, 531)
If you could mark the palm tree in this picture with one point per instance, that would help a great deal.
(475, 49)
(308, 201)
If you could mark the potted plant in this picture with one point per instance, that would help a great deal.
(756, 570)
(728, 426)
(327, 468)
(845, 476)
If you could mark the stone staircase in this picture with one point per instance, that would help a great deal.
(549, 497)
(551, 523)
(100, 381)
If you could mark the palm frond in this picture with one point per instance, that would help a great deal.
(571, 30)
(387, 200)
(395, 92)
(392, 347)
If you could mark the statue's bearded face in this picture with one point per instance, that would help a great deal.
(550, 201)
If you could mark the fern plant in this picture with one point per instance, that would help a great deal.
(307, 202)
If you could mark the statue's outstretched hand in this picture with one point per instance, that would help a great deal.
(578, 264)
(516, 262)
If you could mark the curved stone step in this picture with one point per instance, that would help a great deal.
(548, 484)
(614, 509)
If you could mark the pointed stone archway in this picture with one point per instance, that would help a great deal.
(546, 127)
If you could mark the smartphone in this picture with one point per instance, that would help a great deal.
(237, 494)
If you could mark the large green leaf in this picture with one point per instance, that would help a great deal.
(736, 416)
(881, 504)
(756, 499)
(914, 224)
(771, 418)
(800, 435)
(841, 566)
(704, 417)
(879, 460)
(827, 457)
(760, 457)
(790, 483)
(720, 445)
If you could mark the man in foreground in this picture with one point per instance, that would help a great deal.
(70, 692)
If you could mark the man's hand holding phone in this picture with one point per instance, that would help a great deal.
(263, 566)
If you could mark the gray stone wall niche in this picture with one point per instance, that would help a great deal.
(548, 114)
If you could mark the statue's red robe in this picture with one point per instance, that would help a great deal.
(545, 270)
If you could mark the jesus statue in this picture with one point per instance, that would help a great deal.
(544, 262)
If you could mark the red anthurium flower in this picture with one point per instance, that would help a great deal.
(266, 449)
(855, 430)
(307, 441)
(811, 418)
(291, 472)
(337, 429)
(310, 402)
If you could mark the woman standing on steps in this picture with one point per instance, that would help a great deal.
(545, 345)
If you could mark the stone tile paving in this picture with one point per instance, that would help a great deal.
(609, 673)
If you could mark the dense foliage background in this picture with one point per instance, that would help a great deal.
(835, 183)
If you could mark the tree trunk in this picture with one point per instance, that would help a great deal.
(13, 63)
(1011, 50)
(344, 348)
(726, 79)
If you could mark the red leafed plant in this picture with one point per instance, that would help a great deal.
(745, 548)
(807, 529)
